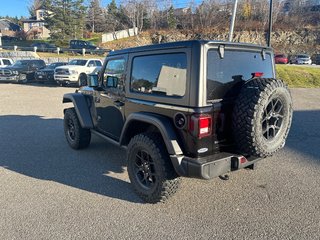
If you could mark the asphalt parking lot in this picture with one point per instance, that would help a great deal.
(49, 191)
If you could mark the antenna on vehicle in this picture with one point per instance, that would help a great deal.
(270, 24)
(234, 12)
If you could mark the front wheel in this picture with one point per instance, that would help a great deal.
(150, 170)
(77, 136)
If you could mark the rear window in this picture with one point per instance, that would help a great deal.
(162, 74)
(236, 66)
(303, 56)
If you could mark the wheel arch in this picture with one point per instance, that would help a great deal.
(143, 122)
(81, 104)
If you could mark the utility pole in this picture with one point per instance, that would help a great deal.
(270, 24)
(233, 18)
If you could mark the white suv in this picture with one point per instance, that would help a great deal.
(76, 71)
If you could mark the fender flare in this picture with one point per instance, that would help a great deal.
(167, 132)
(164, 126)
(81, 105)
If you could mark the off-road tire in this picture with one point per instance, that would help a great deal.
(262, 117)
(82, 81)
(77, 137)
(163, 179)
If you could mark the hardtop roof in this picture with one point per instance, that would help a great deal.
(185, 44)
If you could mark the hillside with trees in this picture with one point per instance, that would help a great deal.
(296, 22)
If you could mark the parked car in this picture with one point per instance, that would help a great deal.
(9, 38)
(300, 59)
(78, 45)
(76, 72)
(81, 44)
(280, 59)
(196, 109)
(44, 47)
(21, 71)
(4, 62)
(46, 75)
(316, 59)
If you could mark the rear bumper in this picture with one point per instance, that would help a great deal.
(210, 167)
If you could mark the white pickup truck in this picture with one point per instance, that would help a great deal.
(76, 72)
(4, 62)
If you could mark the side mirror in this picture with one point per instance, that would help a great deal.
(91, 65)
(93, 80)
(112, 81)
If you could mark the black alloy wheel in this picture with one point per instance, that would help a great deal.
(71, 129)
(272, 119)
(144, 170)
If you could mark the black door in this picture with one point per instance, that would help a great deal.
(110, 101)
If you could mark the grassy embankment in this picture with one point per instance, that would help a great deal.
(299, 76)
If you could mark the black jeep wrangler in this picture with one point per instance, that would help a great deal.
(195, 109)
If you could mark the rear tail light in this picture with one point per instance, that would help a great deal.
(257, 74)
(201, 125)
(242, 160)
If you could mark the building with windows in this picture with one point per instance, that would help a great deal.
(35, 27)
(307, 5)
(8, 28)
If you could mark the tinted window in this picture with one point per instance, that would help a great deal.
(78, 62)
(21, 63)
(92, 63)
(303, 56)
(6, 62)
(98, 63)
(164, 74)
(236, 66)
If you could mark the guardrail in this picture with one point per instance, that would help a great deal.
(58, 50)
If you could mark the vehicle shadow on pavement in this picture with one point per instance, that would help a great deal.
(36, 147)
(304, 136)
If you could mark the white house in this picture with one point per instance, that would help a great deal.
(35, 27)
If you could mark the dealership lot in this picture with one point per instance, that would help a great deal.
(49, 191)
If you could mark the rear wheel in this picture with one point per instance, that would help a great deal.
(77, 137)
(262, 117)
(150, 170)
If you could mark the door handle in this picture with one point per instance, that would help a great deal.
(118, 103)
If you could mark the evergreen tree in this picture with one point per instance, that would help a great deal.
(96, 17)
(65, 18)
(117, 18)
(172, 22)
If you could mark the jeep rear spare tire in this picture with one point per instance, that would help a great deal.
(262, 117)
(150, 170)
